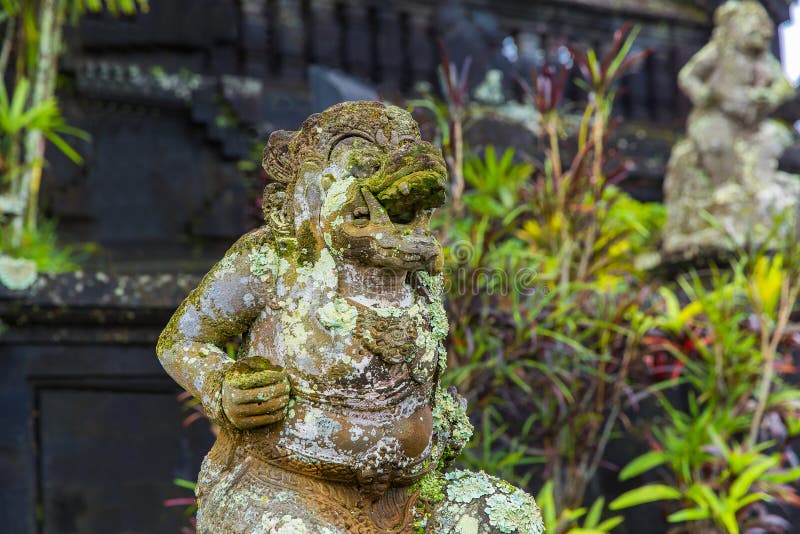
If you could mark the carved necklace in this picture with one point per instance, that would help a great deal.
(392, 334)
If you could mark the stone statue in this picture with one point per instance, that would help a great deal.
(331, 417)
(727, 167)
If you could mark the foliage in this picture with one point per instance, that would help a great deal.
(544, 301)
(189, 505)
(41, 246)
(727, 453)
(31, 43)
(450, 116)
(557, 333)
(568, 520)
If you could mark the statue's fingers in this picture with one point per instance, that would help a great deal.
(262, 394)
(256, 421)
(259, 408)
(258, 379)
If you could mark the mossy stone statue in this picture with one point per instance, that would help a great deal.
(332, 418)
(727, 167)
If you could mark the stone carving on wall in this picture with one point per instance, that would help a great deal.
(727, 167)
(332, 417)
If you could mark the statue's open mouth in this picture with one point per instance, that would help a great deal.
(386, 218)
(413, 179)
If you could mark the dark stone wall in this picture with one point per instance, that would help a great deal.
(177, 98)
(92, 436)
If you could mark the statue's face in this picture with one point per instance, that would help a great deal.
(378, 201)
(751, 31)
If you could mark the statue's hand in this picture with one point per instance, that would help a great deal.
(254, 393)
(703, 96)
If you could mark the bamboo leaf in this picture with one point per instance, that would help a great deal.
(64, 147)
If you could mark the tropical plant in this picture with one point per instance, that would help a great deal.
(568, 521)
(544, 301)
(727, 453)
(29, 52)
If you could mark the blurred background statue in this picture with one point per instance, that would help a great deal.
(723, 188)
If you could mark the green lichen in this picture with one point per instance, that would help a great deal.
(467, 525)
(17, 273)
(322, 274)
(226, 265)
(465, 486)
(389, 311)
(336, 196)
(263, 262)
(514, 512)
(434, 285)
(338, 316)
(295, 334)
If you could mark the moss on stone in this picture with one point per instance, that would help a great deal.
(430, 487)
(306, 244)
(451, 422)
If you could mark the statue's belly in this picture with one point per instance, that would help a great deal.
(356, 400)
(396, 438)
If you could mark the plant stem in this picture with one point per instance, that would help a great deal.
(46, 68)
(458, 163)
(769, 347)
(8, 39)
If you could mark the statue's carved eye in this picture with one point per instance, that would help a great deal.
(360, 156)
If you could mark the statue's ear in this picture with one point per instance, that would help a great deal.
(278, 160)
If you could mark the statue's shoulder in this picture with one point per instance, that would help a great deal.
(253, 253)
(254, 239)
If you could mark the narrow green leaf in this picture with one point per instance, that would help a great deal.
(783, 477)
(547, 504)
(593, 517)
(64, 147)
(610, 524)
(746, 479)
(643, 463)
(645, 494)
(183, 483)
(690, 514)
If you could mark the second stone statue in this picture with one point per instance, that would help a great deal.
(332, 417)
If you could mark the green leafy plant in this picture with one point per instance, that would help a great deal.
(727, 453)
(568, 521)
(29, 52)
(543, 337)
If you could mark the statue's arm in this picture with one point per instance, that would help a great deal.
(694, 76)
(779, 90)
(225, 304)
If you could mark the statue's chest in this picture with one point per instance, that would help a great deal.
(397, 337)
(340, 343)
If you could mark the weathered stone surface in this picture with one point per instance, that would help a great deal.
(332, 416)
(728, 165)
